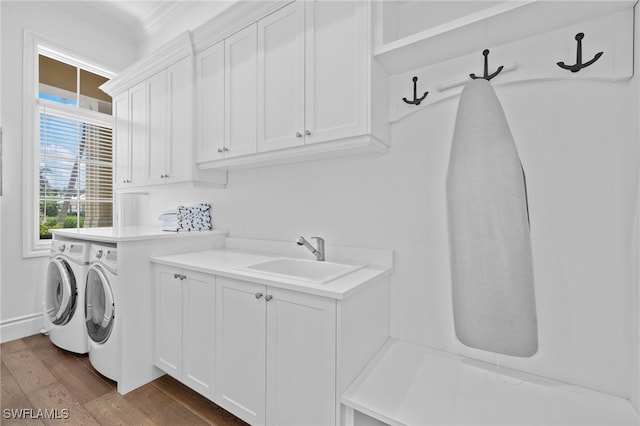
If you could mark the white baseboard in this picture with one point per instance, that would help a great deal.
(17, 328)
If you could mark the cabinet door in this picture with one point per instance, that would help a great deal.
(301, 369)
(121, 134)
(240, 349)
(210, 93)
(337, 73)
(281, 78)
(240, 62)
(179, 120)
(198, 355)
(156, 127)
(168, 321)
(138, 132)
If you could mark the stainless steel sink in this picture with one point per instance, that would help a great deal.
(307, 270)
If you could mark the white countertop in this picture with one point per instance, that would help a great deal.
(231, 263)
(128, 233)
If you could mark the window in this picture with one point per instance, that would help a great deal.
(68, 149)
(75, 148)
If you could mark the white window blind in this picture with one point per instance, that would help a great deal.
(76, 168)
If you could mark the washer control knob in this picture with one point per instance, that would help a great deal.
(62, 247)
(99, 254)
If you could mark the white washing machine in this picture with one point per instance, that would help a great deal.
(101, 319)
(64, 295)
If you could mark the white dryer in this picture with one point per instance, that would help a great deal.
(101, 319)
(64, 295)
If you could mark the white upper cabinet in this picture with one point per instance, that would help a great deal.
(129, 111)
(226, 90)
(156, 134)
(337, 55)
(154, 116)
(273, 84)
(121, 135)
(300, 84)
(281, 78)
(137, 133)
(179, 120)
(240, 57)
(312, 68)
(210, 93)
(170, 123)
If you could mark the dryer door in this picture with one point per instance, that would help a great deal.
(99, 305)
(61, 292)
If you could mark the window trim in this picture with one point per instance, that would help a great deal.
(34, 44)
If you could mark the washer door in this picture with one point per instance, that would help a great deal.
(99, 305)
(61, 293)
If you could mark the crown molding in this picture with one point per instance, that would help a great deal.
(161, 15)
(233, 19)
(177, 49)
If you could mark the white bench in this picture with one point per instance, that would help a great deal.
(408, 384)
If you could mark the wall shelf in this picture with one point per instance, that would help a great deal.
(503, 23)
(527, 59)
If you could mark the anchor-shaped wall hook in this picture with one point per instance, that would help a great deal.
(487, 76)
(416, 100)
(579, 65)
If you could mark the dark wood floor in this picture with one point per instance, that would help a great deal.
(38, 375)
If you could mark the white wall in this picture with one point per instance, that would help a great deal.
(578, 145)
(578, 142)
(22, 278)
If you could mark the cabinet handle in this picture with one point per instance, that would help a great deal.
(308, 133)
(176, 276)
(268, 297)
(183, 277)
(225, 149)
(298, 135)
(258, 295)
(220, 150)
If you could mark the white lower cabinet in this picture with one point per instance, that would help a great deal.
(240, 349)
(299, 84)
(184, 325)
(266, 354)
(275, 354)
(301, 359)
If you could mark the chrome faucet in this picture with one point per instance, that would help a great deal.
(318, 252)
